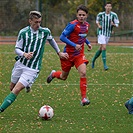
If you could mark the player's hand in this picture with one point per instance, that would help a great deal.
(112, 23)
(100, 27)
(28, 55)
(78, 47)
(63, 55)
(89, 47)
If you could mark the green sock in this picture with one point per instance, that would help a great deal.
(8, 101)
(104, 57)
(96, 55)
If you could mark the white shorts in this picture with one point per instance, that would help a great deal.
(23, 74)
(103, 39)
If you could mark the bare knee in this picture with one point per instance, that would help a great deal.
(64, 75)
(17, 88)
(83, 74)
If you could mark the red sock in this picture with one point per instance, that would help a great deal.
(83, 86)
(57, 74)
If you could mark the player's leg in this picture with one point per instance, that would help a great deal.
(104, 56)
(26, 80)
(16, 72)
(83, 84)
(62, 75)
(11, 97)
(66, 66)
(52, 75)
(98, 52)
(80, 63)
(12, 85)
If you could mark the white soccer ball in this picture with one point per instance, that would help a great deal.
(46, 112)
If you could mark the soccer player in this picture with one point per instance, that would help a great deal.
(129, 105)
(30, 48)
(105, 21)
(74, 35)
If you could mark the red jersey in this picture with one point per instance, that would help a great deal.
(76, 33)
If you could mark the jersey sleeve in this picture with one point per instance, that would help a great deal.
(19, 42)
(49, 36)
(66, 32)
(98, 18)
(53, 43)
(116, 20)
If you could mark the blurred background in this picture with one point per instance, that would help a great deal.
(57, 13)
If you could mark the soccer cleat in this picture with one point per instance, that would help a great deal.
(85, 101)
(1, 110)
(50, 78)
(106, 68)
(129, 107)
(27, 89)
(92, 64)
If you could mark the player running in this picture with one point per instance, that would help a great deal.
(30, 48)
(105, 21)
(74, 35)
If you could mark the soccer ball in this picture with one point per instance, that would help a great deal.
(46, 112)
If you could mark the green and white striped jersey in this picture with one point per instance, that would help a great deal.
(33, 41)
(105, 21)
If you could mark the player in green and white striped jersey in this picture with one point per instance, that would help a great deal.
(30, 48)
(105, 21)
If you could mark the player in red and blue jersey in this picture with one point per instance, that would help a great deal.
(74, 35)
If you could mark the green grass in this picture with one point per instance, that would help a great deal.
(107, 90)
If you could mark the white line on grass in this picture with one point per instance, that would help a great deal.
(78, 84)
(88, 84)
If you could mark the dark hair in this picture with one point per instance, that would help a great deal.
(108, 3)
(34, 14)
(82, 7)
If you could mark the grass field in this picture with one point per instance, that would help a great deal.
(107, 91)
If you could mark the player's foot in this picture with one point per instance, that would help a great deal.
(85, 101)
(1, 110)
(129, 107)
(106, 68)
(50, 78)
(27, 89)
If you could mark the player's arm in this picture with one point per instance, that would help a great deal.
(98, 25)
(53, 43)
(66, 32)
(98, 21)
(20, 54)
(19, 51)
(18, 47)
(115, 23)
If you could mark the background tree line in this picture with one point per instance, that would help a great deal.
(57, 13)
